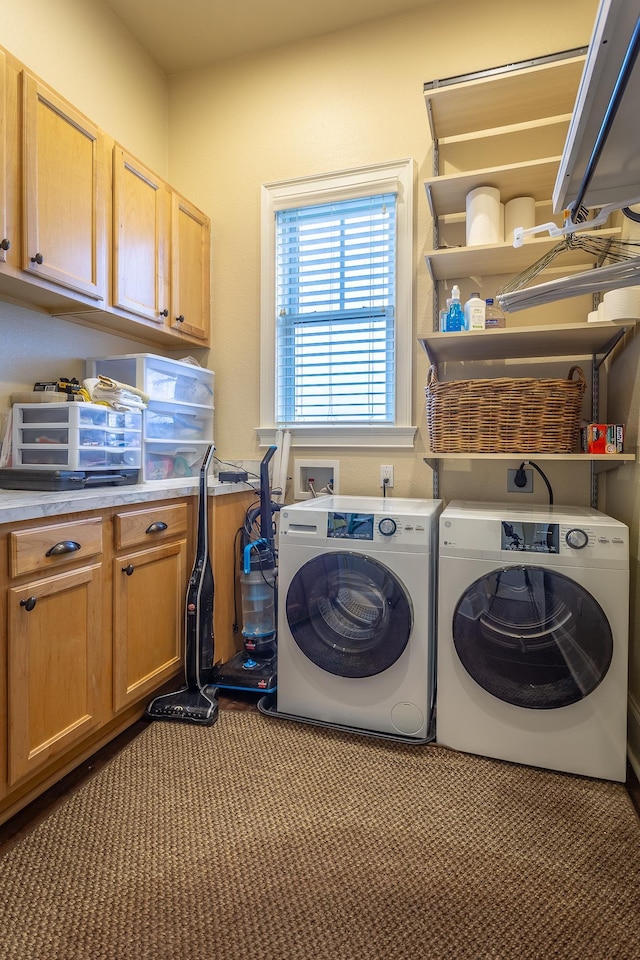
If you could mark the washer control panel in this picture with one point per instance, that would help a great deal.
(346, 525)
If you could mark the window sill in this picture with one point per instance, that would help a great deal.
(348, 435)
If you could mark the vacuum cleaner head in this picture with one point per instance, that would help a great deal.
(186, 705)
(247, 674)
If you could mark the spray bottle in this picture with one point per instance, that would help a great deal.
(455, 319)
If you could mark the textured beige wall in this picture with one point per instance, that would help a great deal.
(84, 52)
(335, 102)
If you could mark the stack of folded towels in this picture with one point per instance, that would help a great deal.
(112, 393)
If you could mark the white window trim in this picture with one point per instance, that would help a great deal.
(395, 176)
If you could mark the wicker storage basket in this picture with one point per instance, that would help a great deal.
(504, 415)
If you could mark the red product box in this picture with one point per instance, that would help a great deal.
(603, 438)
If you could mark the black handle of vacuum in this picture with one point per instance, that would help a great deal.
(266, 522)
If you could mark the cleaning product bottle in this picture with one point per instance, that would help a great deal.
(474, 312)
(455, 319)
(493, 317)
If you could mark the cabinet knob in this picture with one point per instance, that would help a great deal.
(128, 569)
(157, 527)
(164, 313)
(180, 319)
(65, 546)
(38, 258)
(28, 604)
(5, 244)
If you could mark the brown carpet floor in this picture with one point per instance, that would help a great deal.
(260, 837)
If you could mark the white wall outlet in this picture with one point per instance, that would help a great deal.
(386, 475)
(519, 475)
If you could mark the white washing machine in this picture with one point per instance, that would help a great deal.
(356, 633)
(533, 636)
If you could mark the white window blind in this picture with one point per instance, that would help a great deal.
(335, 311)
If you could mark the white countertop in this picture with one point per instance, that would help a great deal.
(18, 505)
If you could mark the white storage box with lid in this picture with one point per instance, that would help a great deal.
(178, 422)
(75, 436)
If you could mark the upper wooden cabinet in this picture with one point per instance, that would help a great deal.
(132, 260)
(4, 240)
(161, 248)
(9, 166)
(64, 224)
(140, 224)
(190, 270)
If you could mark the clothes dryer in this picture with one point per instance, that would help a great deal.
(533, 636)
(356, 617)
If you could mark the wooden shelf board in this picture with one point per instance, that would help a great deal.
(613, 458)
(530, 178)
(514, 96)
(503, 258)
(572, 340)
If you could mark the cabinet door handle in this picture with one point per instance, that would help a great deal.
(128, 569)
(180, 319)
(157, 527)
(28, 604)
(5, 244)
(38, 258)
(65, 546)
(164, 313)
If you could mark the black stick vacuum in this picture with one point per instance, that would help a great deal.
(196, 702)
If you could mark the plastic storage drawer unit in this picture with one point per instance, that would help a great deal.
(178, 422)
(75, 436)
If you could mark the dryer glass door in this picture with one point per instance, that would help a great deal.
(349, 614)
(532, 637)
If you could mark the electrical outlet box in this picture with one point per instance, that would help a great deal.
(386, 475)
(512, 486)
(315, 478)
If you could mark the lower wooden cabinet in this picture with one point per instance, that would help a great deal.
(54, 639)
(93, 605)
(149, 585)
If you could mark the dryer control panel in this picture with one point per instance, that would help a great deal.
(578, 541)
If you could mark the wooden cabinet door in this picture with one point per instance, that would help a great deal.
(10, 195)
(3, 158)
(140, 212)
(148, 611)
(63, 193)
(54, 638)
(190, 270)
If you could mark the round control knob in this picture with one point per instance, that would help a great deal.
(576, 539)
(387, 527)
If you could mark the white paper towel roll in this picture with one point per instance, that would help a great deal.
(593, 317)
(519, 212)
(622, 304)
(483, 216)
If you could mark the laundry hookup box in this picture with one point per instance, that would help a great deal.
(602, 438)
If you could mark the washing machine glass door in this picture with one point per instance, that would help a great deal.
(532, 637)
(349, 614)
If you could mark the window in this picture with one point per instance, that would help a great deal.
(337, 279)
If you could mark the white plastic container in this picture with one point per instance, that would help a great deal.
(75, 436)
(474, 312)
(178, 422)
